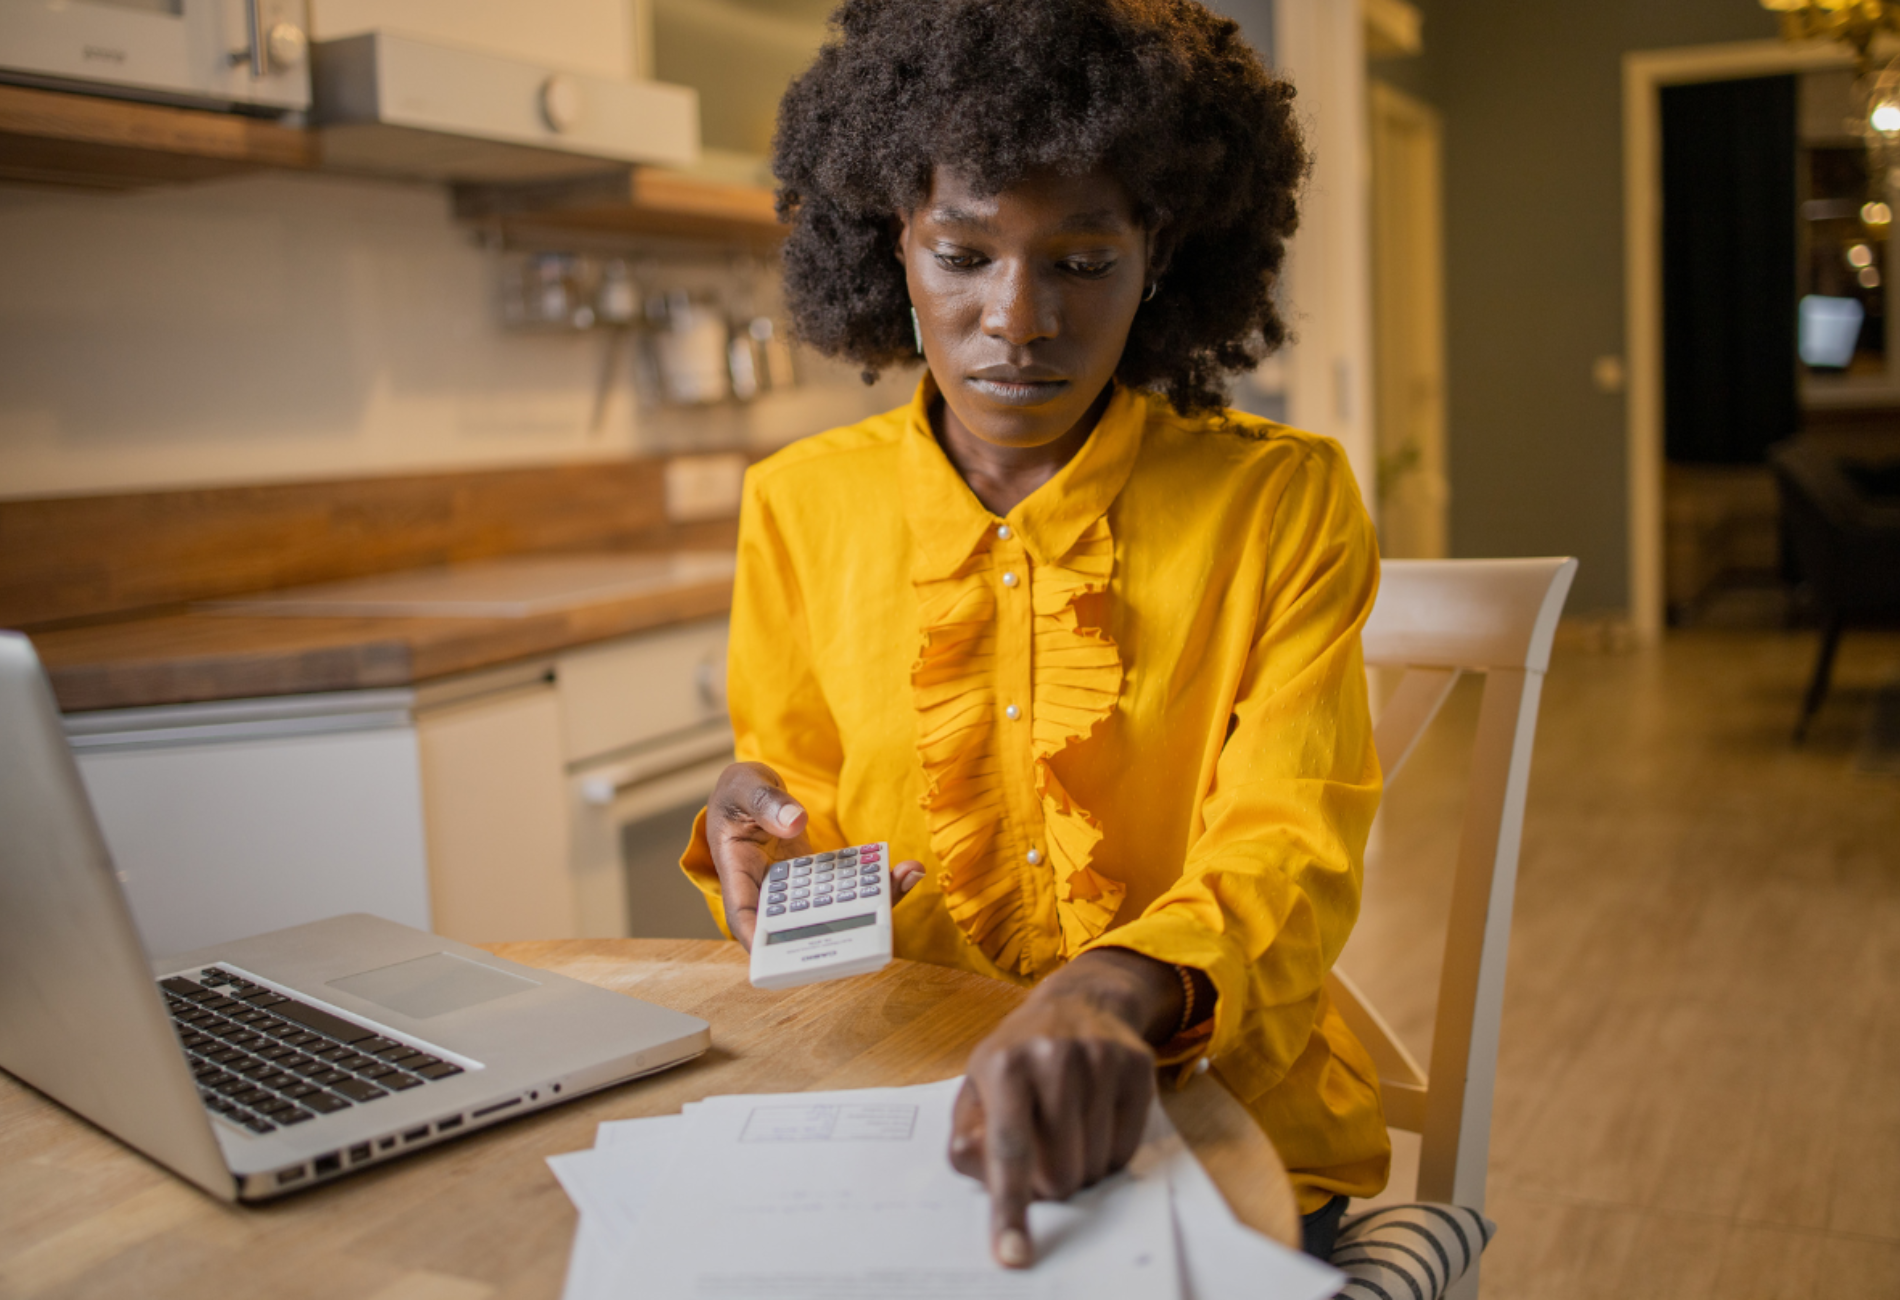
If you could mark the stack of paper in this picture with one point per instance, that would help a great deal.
(827, 1195)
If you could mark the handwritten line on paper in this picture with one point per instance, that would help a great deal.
(830, 1124)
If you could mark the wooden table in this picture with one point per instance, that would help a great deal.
(81, 1215)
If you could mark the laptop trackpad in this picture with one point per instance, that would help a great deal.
(433, 985)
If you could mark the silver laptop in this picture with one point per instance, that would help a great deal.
(267, 1065)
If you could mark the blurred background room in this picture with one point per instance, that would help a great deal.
(370, 458)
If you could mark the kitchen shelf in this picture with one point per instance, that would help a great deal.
(49, 137)
(639, 201)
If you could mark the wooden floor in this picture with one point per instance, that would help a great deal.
(1699, 1083)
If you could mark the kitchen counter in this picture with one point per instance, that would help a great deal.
(194, 654)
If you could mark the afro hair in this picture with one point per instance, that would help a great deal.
(1164, 94)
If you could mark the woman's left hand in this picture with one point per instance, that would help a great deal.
(1057, 1097)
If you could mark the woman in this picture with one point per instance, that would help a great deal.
(1083, 646)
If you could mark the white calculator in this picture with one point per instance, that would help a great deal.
(824, 916)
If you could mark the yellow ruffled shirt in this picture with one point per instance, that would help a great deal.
(1130, 713)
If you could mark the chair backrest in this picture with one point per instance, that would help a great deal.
(1846, 543)
(1439, 619)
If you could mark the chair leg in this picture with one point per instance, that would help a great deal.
(1823, 671)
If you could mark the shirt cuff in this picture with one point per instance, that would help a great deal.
(697, 863)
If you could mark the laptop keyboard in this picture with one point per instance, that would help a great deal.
(267, 1061)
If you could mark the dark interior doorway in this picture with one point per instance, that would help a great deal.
(1731, 370)
(1729, 269)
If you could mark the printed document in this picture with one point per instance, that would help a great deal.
(850, 1194)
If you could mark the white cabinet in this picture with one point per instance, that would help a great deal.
(646, 733)
(624, 694)
(232, 819)
(494, 801)
(498, 805)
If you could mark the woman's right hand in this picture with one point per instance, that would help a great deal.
(751, 822)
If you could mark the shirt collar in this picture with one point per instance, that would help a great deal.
(948, 521)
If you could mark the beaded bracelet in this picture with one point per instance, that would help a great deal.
(1187, 1000)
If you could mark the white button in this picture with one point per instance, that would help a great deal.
(1009, 579)
(1012, 713)
(1033, 856)
(1200, 1066)
(1002, 531)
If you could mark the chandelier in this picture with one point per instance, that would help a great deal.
(1857, 24)
(1852, 22)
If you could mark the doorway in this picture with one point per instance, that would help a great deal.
(1646, 74)
(1408, 324)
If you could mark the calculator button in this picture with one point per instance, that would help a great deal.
(847, 853)
(869, 855)
(775, 910)
(802, 862)
(828, 856)
(823, 876)
(801, 893)
(779, 872)
(800, 873)
(846, 897)
(799, 905)
(868, 892)
(822, 901)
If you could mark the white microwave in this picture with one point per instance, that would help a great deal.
(234, 54)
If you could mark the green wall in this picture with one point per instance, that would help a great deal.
(1532, 101)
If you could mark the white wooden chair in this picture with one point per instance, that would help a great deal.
(1439, 619)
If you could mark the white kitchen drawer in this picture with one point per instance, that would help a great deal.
(639, 689)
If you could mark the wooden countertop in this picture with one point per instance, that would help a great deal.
(109, 586)
(484, 1217)
(187, 656)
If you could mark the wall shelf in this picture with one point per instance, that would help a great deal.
(640, 201)
(49, 137)
(52, 137)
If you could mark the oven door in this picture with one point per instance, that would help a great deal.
(631, 816)
(216, 53)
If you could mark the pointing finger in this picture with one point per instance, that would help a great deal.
(1009, 1148)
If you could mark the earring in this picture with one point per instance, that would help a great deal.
(917, 331)
(1153, 288)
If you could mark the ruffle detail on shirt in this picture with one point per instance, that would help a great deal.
(1078, 679)
(1078, 676)
(952, 683)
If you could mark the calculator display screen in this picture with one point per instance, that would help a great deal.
(823, 927)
